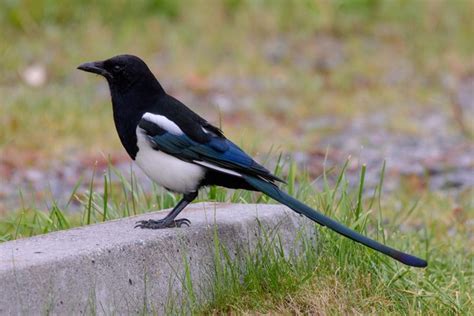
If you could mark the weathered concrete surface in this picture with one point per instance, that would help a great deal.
(113, 268)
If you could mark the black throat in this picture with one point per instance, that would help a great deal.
(129, 105)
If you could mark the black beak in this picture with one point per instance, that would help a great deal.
(96, 67)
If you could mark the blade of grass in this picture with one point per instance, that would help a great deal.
(90, 197)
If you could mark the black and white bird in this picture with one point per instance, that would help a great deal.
(183, 152)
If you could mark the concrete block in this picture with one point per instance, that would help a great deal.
(112, 268)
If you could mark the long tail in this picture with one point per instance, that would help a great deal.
(274, 192)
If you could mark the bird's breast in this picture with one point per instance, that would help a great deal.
(170, 172)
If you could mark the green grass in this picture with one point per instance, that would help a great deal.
(333, 276)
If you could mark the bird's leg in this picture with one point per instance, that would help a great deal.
(170, 221)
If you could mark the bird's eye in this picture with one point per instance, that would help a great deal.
(117, 68)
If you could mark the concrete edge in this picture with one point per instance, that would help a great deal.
(113, 268)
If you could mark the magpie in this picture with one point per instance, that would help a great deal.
(181, 151)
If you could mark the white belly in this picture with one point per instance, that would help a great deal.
(170, 172)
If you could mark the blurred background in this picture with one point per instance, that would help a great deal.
(316, 80)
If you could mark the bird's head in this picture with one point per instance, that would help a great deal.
(121, 71)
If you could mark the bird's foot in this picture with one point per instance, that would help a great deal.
(162, 223)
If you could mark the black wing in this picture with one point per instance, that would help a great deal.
(216, 152)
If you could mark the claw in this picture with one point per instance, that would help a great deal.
(183, 221)
(160, 224)
(142, 222)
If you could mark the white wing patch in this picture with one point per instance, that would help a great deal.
(163, 122)
(209, 165)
